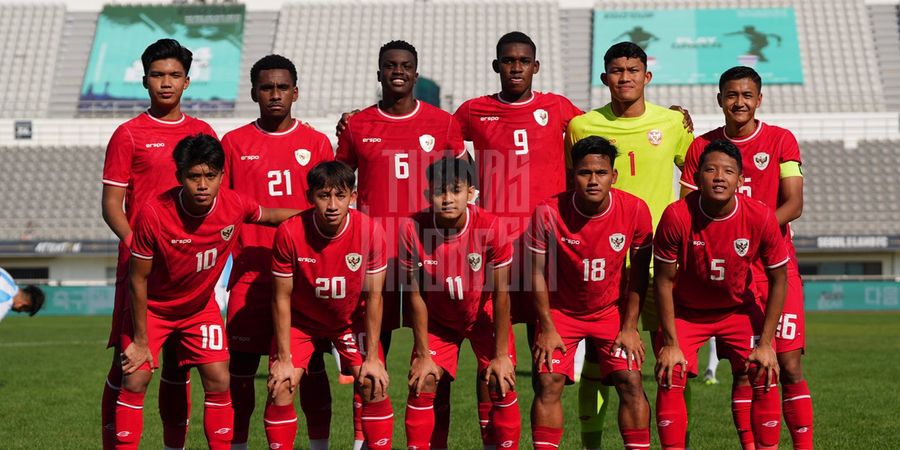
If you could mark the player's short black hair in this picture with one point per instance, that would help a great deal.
(626, 50)
(165, 49)
(199, 149)
(515, 37)
(593, 145)
(448, 171)
(272, 62)
(331, 175)
(36, 298)
(739, 73)
(398, 45)
(722, 146)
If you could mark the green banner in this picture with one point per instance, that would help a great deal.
(851, 295)
(694, 46)
(213, 33)
(78, 300)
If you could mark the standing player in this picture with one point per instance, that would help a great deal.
(324, 261)
(653, 140)
(28, 299)
(181, 240)
(391, 143)
(705, 247)
(139, 167)
(519, 150)
(268, 160)
(457, 260)
(771, 160)
(579, 241)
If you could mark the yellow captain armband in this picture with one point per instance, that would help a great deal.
(790, 169)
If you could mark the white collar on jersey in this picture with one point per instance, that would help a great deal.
(756, 132)
(181, 204)
(737, 204)
(165, 122)
(340, 233)
(587, 216)
(457, 234)
(519, 103)
(393, 117)
(277, 133)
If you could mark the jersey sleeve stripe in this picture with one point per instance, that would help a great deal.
(774, 266)
(115, 183)
(536, 250)
(140, 256)
(687, 185)
(258, 214)
(670, 261)
(378, 270)
(503, 264)
(282, 274)
(462, 153)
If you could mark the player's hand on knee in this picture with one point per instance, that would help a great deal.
(134, 356)
(547, 341)
(282, 372)
(766, 362)
(503, 372)
(669, 357)
(630, 344)
(419, 371)
(372, 372)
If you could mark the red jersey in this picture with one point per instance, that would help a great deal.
(139, 156)
(188, 251)
(586, 270)
(519, 150)
(328, 272)
(270, 168)
(455, 269)
(715, 256)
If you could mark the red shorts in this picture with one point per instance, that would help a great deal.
(198, 339)
(736, 331)
(249, 326)
(601, 331)
(444, 345)
(791, 332)
(349, 343)
(121, 296)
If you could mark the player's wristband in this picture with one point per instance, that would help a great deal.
(790, 169)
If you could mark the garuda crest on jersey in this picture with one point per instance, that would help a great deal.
(541, 117)
(474, 260)
(741, 246)
(654, 136)
(302, 156)
(354, 261)
(617, 241)
(427, 142)
(761, 160)
(227, 232)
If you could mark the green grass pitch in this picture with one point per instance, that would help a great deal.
(52, 370)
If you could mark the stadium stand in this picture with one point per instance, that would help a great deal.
(885, 21)
(29, 40)
(835, 39)
(336, 47)
(74, 52)
(259, 34)
(575, 28)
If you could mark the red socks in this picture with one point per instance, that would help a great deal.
(546, 438)
(129, 420)
(741, 401)
(636, 439)
(281, 425)
(175, 410)
(218, 420)
(798, 414)
(378, 424)
(419, 420)
(484, 420)
(243, 398)
(505, 420)
(108, 406)
(671, 412)
(765, 415)
(315, 401)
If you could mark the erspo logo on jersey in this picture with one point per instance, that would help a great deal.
(249, 157)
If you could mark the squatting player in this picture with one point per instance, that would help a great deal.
(579, 241)
(457, 260)
(181, 240)
(519, 150)
(138, 167)
(652, 140)
(268, 160)
(771, 160)
(325, 260)
(705, 247)
(28, 299)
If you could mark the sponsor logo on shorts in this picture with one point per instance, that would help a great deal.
(699, 243)
(655, 136)
(430, 262)
(571, 241)
(227, 232)
(181, 241)
(617, 241)
(541, 117)
(155, 145)
(474, 260)
(302, 156)
(426, 141)
(741, 246)
(305, 259)
(371, 139)
(761, 160)
(249, 157)
(490, 118)
(354, 260)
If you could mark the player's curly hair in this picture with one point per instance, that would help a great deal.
(398, 45)
(722, 146)
(165, 49)
(626, 50)
(515, 37)
(739, 73)
(199, 149)
(448, 171)
(593, 145)
(272, 62)
(330, 175)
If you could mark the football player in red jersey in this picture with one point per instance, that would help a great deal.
(182, 238)
(771, 159)
(579, 241)
(137, 168)
(457, 259)
(325, 260)
(705, 247)
(268, 160)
